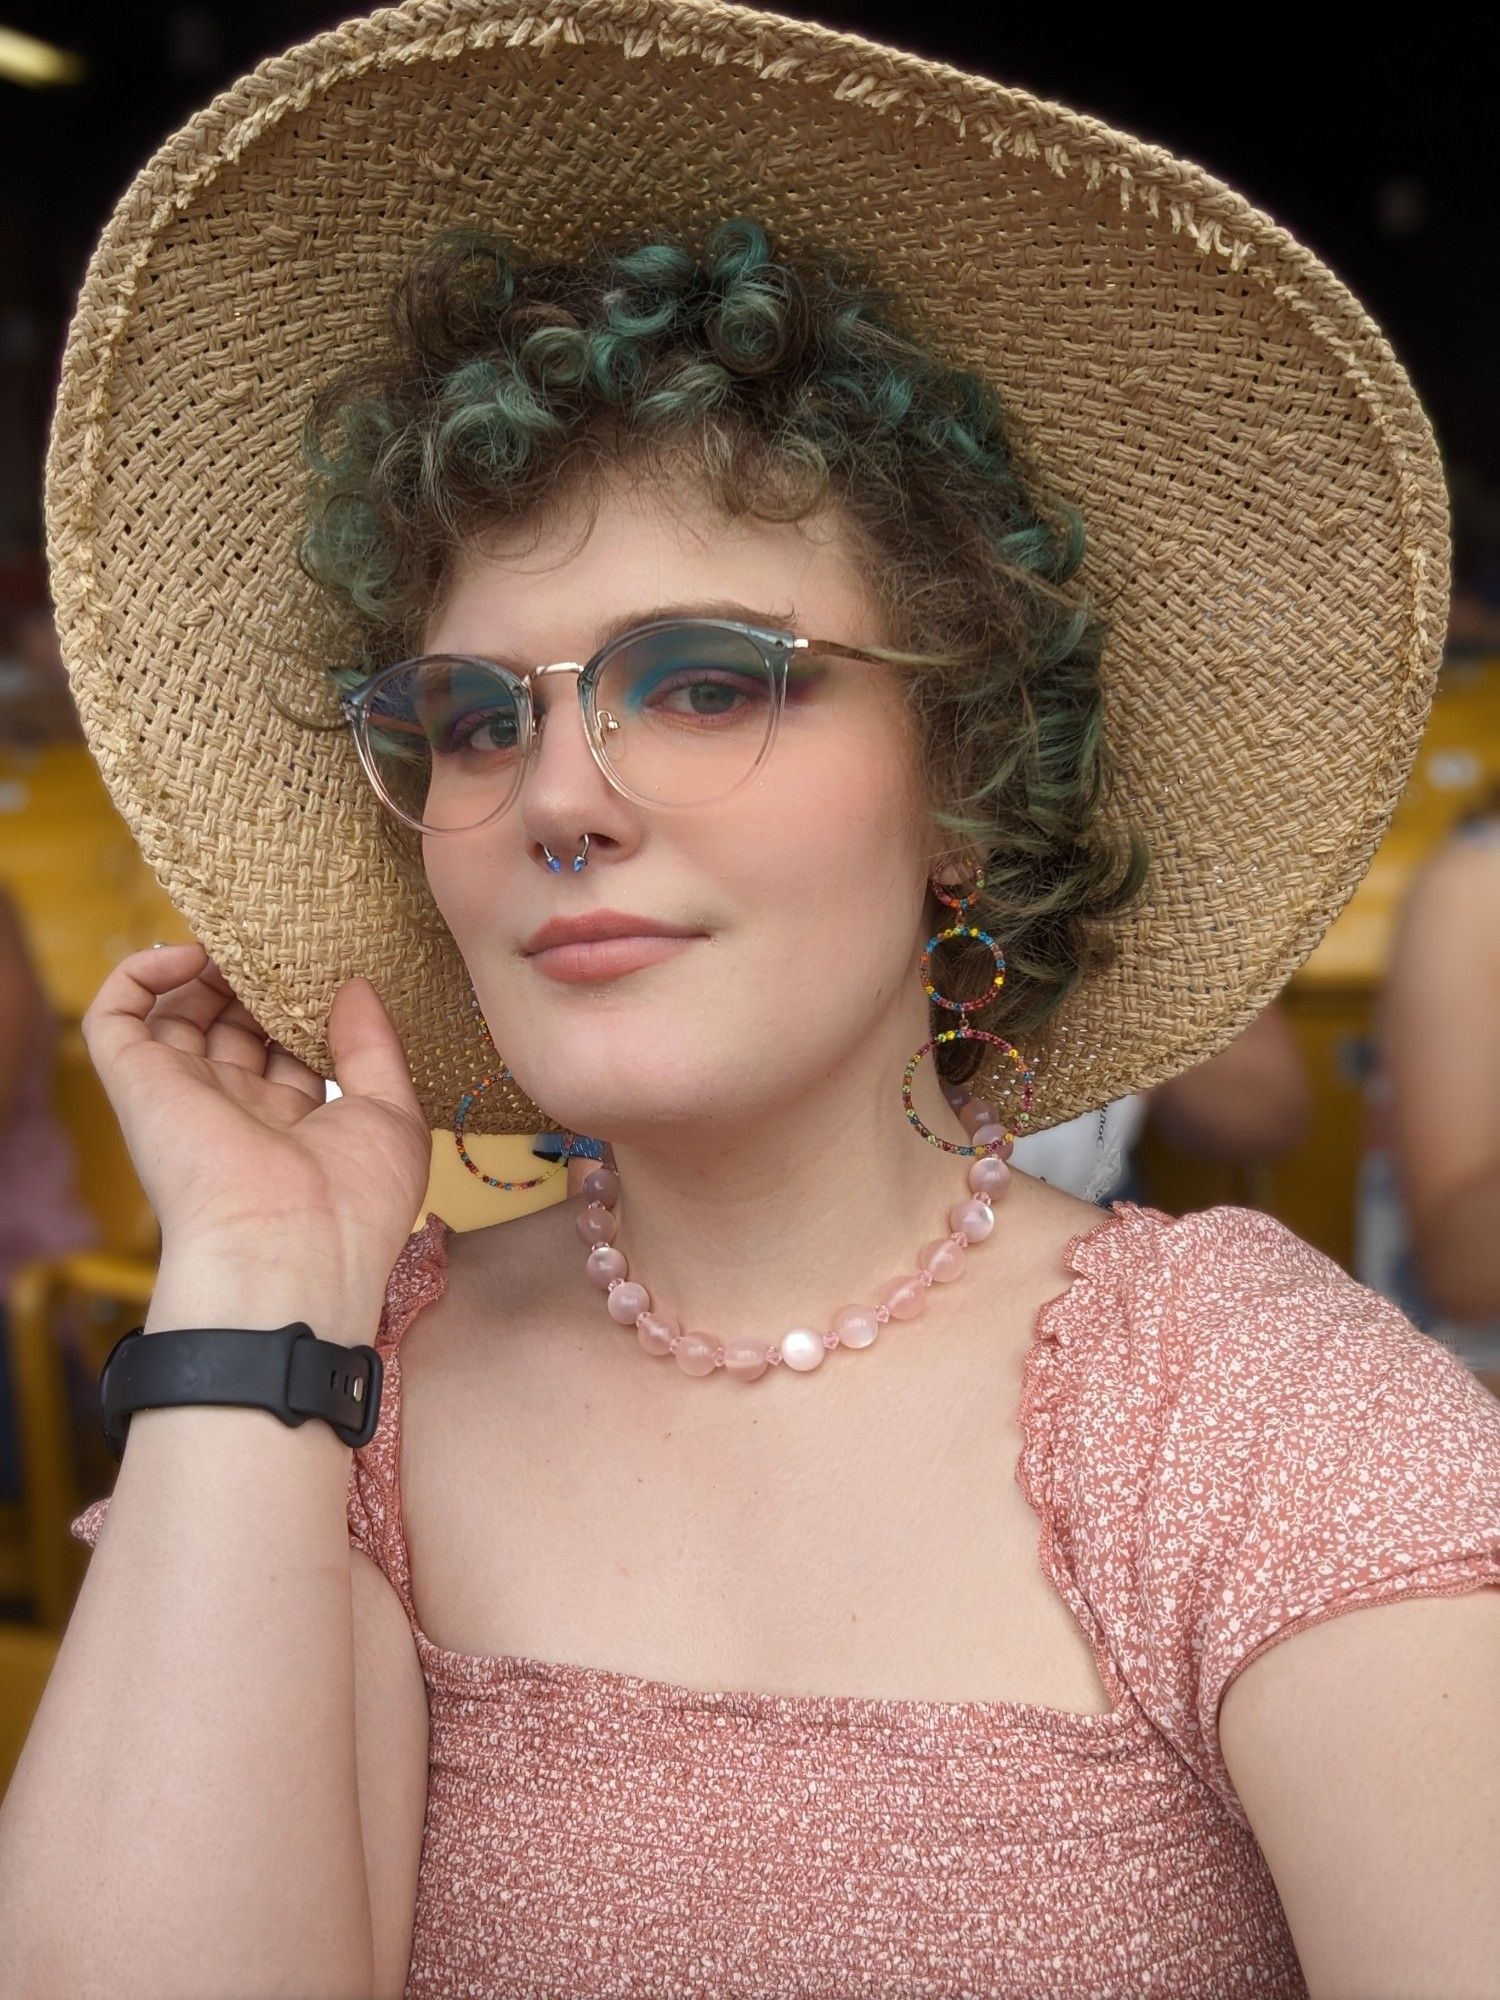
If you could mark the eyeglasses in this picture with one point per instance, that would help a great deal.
(679, 712)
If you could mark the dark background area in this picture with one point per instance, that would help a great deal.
(1375, 150)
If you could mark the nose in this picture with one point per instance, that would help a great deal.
(560, 748)
(564, 789)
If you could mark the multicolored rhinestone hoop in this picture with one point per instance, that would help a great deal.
(963, 1032)
(961, 930)
(466, 1104)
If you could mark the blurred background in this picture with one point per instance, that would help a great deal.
(1362, 1107)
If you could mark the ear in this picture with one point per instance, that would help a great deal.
(956, 873)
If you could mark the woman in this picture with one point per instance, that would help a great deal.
(1429, 1195)
(895, 1670)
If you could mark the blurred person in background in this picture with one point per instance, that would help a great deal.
(1248, 1103)
(40, 1212)
(1429, 1196)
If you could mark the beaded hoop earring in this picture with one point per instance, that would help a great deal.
(964, 1033)
(471, 1097)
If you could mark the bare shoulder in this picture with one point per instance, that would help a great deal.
(501, 1274)
(525, 1246)
(1048, 1218)
(1450, 893)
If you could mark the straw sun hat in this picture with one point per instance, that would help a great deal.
(1263, 498)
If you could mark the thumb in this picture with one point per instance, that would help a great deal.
(368, 1059)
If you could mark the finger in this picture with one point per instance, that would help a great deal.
(205, 1018)
(368, 1060)
(283, 1067)
(116, 1016)
(206, 999)
(237, 1037)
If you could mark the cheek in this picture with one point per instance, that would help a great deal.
(829, 860)
(441, 878)
(461, 884)
(816, 829)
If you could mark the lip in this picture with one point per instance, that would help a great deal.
(606, 958)
(594, 925)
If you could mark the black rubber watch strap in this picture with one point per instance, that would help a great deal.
(286, 1370)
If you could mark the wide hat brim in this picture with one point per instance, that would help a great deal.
(1262, 493)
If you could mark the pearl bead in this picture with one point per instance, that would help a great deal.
(990, 1177)
(657, 1331)
(802, 1349)
(944, 1258)
(596, 1224)
(606, 1263)
(627, 1302)
(988, 1134)
(745, 1358)
(695, 1353)
(856, 1326)
(904, 1298)
(973, 1218)
(602, 1184)
(975, 1112)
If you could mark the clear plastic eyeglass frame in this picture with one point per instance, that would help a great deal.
(776, 649)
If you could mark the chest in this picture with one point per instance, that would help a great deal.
(859, 1531)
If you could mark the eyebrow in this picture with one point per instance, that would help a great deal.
(713, 607)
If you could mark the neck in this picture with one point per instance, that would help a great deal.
(754, 1226)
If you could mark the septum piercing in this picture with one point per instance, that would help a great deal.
(580, 860)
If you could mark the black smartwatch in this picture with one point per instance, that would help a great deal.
(288, 1371)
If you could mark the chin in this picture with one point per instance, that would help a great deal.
(622, 1096)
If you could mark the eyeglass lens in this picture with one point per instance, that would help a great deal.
(681, 717)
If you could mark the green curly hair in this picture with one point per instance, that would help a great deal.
(785, 388)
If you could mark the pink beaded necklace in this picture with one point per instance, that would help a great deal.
(802, 1348)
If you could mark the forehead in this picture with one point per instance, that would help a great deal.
(556, 587)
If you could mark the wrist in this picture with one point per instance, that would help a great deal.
(202, 1289)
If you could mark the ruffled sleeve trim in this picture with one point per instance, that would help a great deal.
(1100, 1261)
(417, 1278)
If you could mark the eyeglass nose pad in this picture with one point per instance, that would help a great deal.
(597, 725)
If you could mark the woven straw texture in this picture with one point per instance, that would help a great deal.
(1263, 496)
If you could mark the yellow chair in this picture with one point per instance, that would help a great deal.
(85, 894)
(88, 1299)
(87, 899)
(26, 1658)
(85, 1300)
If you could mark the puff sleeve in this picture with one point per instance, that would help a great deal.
(1267, 1443)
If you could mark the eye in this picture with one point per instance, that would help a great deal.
(467, 731)
(705, 694)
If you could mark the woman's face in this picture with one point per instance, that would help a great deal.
(807, 887)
